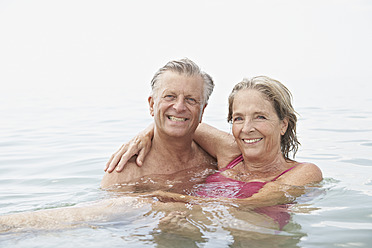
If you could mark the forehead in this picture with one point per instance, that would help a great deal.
(252, 100)
(181, 83)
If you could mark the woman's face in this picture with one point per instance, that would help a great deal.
(256, 126)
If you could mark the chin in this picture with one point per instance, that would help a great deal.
(177, 133)
(253, 155)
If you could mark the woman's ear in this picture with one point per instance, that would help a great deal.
(151, 105)
(284, 126)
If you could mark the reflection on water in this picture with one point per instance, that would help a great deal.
(222, 226)
(142, 221)
(57, 162)
(136, 223)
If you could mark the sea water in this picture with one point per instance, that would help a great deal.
(54, 147)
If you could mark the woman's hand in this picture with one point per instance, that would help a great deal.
(140, 145)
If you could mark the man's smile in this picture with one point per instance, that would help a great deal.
(174, 118)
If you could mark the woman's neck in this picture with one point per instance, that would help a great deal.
(264, 167)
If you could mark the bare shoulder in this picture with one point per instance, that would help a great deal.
(131, 171)
(302, 174)
(226, 159)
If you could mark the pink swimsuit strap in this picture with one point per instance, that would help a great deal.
(239, 159)
(283, 173)
(233, 163)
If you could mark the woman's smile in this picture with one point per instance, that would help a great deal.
(252, 141)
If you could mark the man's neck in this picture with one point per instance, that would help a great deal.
(176, 149)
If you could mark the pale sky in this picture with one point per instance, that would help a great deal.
(63, 45)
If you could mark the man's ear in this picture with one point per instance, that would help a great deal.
(202, 112)
(151, 105)
(284, 126)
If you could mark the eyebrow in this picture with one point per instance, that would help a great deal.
(261, 113)
(166, 91)
(254, 113)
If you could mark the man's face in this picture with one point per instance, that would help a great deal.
(177, 104)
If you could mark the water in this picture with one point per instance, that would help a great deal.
(54, 149)
(74, 89)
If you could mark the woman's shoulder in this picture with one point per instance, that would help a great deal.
(310, 168)
(303, 173)
(229, 159)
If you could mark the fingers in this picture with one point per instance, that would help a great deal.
(126, 155)
(114, 159)
(143, 153)
(136, 146)
(109, 162)
(141, 156)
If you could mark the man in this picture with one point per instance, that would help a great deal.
(180, 93)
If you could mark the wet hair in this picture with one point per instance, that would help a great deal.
(184, 67)
(281, 98)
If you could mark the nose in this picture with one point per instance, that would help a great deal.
(248, 126)
(179, 105)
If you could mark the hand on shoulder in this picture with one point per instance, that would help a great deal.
(130, 172)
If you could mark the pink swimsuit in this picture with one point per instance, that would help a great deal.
(217, 185)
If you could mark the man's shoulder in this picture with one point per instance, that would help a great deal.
(130, 172)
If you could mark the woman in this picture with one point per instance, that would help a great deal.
(256, 164)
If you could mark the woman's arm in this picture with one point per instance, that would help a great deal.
(140, 145)
(282, 191)
(217, 143)
(270, 195)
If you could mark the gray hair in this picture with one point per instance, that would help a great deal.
(281, 98)
(186, 67)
